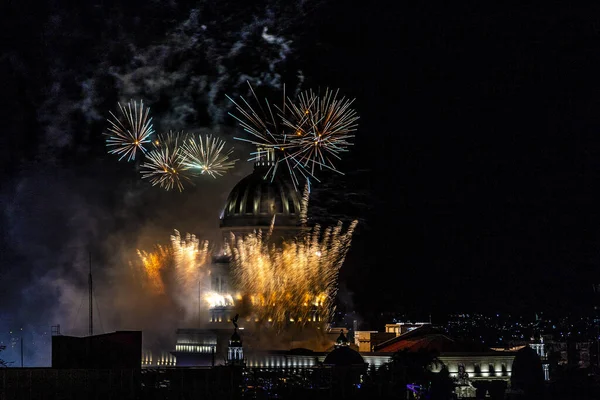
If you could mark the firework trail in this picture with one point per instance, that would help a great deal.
(323, 126)
(206, 155)
(164, 165)
(304, 205)
(130, 132)
(293, 282)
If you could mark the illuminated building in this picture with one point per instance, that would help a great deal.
(400, 328)
(269, 204)
(476, 360)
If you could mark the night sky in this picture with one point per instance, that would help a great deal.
(475, 172)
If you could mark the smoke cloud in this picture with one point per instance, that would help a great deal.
(63, 198)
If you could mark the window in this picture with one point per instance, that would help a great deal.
(291, 206)
(477, 370)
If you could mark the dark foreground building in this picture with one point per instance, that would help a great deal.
(93, 367)
(117, 350)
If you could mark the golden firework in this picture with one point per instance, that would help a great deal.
(129, 132)
(164, 166)
(296, 281)
(177, 271)
(153, 263)
(206, 155)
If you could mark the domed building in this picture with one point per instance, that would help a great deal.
(261, 199)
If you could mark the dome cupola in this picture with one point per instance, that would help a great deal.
(254, 201)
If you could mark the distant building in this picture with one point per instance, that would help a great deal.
(367, 340)
(198, 347)
(476, 360)
(400, 328)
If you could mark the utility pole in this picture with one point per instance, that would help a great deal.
(596, 288)
(597, 317)
(21, 351)
(91, 298)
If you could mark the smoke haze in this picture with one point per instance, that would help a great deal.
(63, 197)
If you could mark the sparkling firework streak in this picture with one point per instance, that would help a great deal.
(323, 128)
(294, 282)
(164, 165)
(130, 132)
(206, 155)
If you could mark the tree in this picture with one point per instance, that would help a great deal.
(442, 385)
(414, 368)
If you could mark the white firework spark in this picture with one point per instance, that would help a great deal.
(206, 155)
(164, 165)
(130, 132)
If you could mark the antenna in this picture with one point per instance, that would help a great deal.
(91, 299)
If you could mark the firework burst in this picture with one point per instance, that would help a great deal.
(164, 166)
(323, 129)
(206, 155)
(306, 135)
(267, 130)
(293, 282)
(130, 132)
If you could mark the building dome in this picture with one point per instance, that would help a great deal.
(344, 357)
(257, 198)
